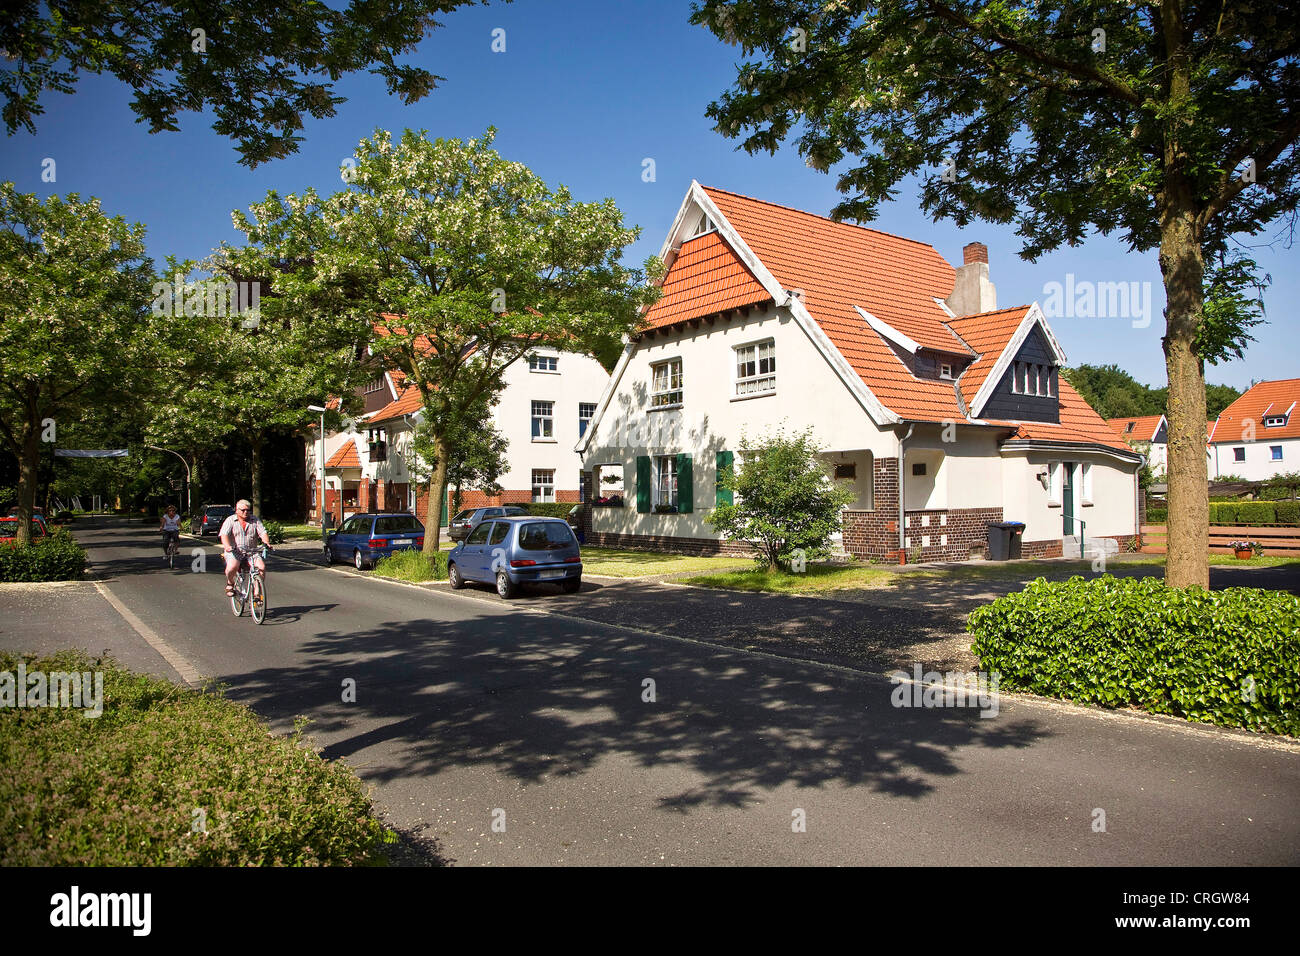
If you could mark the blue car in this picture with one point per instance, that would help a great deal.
(364, 539)
(510, 552)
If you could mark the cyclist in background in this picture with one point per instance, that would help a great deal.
(239, 534)
(170, 526)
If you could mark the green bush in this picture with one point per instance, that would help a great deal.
(64, 515)
(123, 789)
(413, 566)
(1223, 512)
(1288, 512)
(1224, 657)
(274, 531)
(1256, 512)
(56, 558)
(550, 509)
(1157, 515)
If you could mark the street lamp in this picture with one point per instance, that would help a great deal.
(320, 467)
(188, 502)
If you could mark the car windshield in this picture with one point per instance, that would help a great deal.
(463, 515)
(545, 536)
(220, 512)
(390, 524)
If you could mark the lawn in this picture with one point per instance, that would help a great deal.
(818, 577)
(614, 563)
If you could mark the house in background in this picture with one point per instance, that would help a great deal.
(1148, 434)
(548, 401)
(1258, 435)
(940, 411)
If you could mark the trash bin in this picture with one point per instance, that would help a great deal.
(1004, 540)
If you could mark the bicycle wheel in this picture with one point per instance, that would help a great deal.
(237, 599)
(171, 556)
(257, 602)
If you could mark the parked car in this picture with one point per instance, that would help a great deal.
(210, 519)
(9, 529)
(512, 551)
(365, 538)
(461, 525)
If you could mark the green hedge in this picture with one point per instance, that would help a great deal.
(1157, 515)
(1223, 512)
(1288, 512)
(56, 558)
(1257, 512)
(550, 509)
(122, 789)
(1135, 642)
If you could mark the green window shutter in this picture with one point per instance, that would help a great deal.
(723, 495)
(685, 485)
(642, 484)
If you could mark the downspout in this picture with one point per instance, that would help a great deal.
(902, 493)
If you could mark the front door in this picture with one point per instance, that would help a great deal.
(1067, 498)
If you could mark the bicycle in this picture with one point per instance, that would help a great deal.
(172, 549)
(250, 589)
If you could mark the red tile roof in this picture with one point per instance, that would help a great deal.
(1079, 423)
(987, 333)
(1260, 400)
(407, 403)
(707, 277)
(1143, 427)
(346, 457)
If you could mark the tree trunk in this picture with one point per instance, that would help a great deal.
(27, 468)
(1183, 268)
(256, 448)
(437, 495)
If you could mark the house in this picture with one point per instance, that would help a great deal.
(940, 411)
(548, 401)
(1258, 436)
(1149, 434)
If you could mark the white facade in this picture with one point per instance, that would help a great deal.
(1257, 460)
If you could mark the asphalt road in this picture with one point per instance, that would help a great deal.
(468, 706)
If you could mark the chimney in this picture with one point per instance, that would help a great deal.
(973, 292)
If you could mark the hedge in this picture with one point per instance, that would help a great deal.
(1157, 515)
(1225, 657)
(1223, 512)
(56, 558)
(1257, 512)
(550, 509)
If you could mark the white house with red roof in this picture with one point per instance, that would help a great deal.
(1148, 434)
(901, 364)
(548, 400)
(1258, 435)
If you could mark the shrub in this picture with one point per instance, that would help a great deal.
(413, 566)
(1256, 512)
(1157, 515)
(63, 515)
(1223, 512)
(274, 531)
(56, 558)
(1288, 512)
(550, 509)
(1225, 657)
(122, 789)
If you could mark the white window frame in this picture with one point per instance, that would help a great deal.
(1054, 483)
(1085, 483)
(1274, 421)
(536, 359)
(739, 381)
(585, 418)
(543, 486)
(672, 395)
(546, 418)
(945, 370)
(660, 462)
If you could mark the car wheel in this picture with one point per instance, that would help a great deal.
(454, 578)
(359, 561)
(505, 587)
(571, 586)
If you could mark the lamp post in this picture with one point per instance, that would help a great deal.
(188, 503)
(320, 467)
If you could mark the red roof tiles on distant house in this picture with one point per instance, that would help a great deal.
(1264, 400)
(346, 457)
(1136, 428)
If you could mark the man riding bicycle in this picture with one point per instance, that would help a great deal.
(170, 526)
(239, 534)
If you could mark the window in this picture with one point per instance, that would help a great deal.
(704, 225)
(1054, 483)
(543, 484)
(1047, 381)
(1274, 421)
(667, 383)
(1085, 484)
(665, 482)
(1130, 427)
(756, 368)
(375, 385)
(396, 524)
(543, 426)
(918, 469)
(480, 534)
(543, 363)
(1239, 454)
(499, 532)
(1018, 378)
(945, 370)
(847, 471)
(586, 412)
(1276, 452)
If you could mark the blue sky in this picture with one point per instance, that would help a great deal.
(584, 92)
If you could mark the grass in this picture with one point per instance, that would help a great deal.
(300, 532)
(616, 563)
(818, 577)
(169, 776)
(412, 566)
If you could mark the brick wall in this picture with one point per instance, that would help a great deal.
(948, 535)
(874, 534)
(1051, 548)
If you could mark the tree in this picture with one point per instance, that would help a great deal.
(76, 333)
(1174, 123)
(258, 65)
(787, 501)
(461, 260)
(478, 450)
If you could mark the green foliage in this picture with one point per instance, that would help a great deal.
(56, 558)
(122, 789)
(1234, 303)
(261, 71)
(550, 509)
(1157, 515)
(1288, 512)
(1256, 512)
(476, 447)
(1223, 512)
(784, 499)
(1224, 657)
(1114, 393)
(274, 531)
(413, 566)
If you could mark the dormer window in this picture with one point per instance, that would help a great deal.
(1274, 421)
(945, 370)
(704, 225)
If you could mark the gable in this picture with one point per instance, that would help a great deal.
(706, 278)
(1023, 399)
